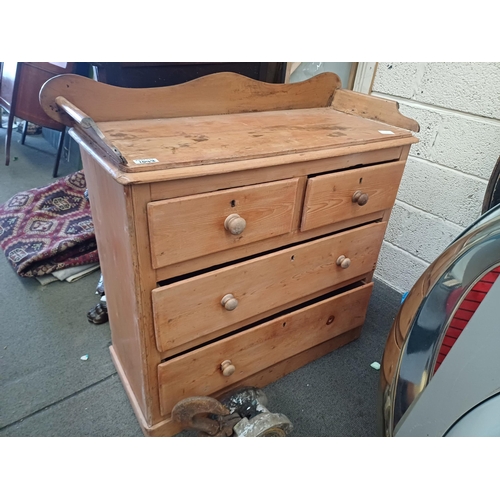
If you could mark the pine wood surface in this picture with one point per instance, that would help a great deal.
(192, 226)
(193, 141)
(199, 373)
(329, 198)
(281, 163)
(191, 308)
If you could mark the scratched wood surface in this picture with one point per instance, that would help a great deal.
(214, 137)
(192, 226)
(120, 225)
(199, 374)
(195, 141)
(373, 108)
(329, 197)
(215, 94)
(191, 309)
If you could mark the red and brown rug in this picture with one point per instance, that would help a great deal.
(48, 229)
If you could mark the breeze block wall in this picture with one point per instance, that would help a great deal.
(458, 108)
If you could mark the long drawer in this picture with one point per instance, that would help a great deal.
(352, 193)
(212, 368)
(192, 226)
(193, 308)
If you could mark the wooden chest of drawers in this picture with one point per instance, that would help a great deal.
(238, 224)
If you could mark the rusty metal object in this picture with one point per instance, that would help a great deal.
(204, 414)
(240, 413)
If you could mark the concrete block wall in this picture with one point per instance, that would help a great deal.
(458, 108)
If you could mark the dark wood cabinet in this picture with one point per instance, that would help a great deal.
(20, 86)
(161, 74)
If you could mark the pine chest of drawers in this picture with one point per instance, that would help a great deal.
(238, 224)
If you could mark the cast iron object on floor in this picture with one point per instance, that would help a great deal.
(99, 313)
(240, 413)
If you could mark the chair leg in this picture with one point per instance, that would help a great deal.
(25, 129)
(59, 152)
(8, 137)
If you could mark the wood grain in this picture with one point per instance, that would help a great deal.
(144, 283)
(295, 236)
(225, 145)
(329, 198)
(167, 427)
(184, 228)
(29, 77)
(199, 373)
(87, 126)
(106, 196)
(119, 225)
(279, 370)
(196, 141)
(190, 309)
(261, 317)
(373, 108)
(216, 94)
(182, 187)
(285, 162)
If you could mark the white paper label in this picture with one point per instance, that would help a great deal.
(146, 160)
(386, 132)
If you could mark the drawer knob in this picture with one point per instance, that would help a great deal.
(229, 302)
(227, 368)
(360, 198)
(235, 224)
(343, 262)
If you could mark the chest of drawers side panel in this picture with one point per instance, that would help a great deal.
(116, 213)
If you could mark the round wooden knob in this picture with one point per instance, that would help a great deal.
(343, 262)
(360, 198)
(229, 302)
(235, 224)
(227, 368)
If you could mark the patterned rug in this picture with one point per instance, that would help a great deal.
(48, 229)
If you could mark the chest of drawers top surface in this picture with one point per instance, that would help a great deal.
(208, 140)
(222, 122)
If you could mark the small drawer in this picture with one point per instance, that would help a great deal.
(191, 309)
(192, 226)
(200, 372)
(352, 193)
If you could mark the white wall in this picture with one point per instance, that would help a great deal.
(458, 108)
(307, 70)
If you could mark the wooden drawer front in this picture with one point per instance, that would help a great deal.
(188, 310)
(329, 198)
(192, 226)
(198, 373)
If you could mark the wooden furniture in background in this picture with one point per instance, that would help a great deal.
(161, 74)
(238, 224)
(20, 86)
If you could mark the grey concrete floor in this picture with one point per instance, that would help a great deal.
(46, 390)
